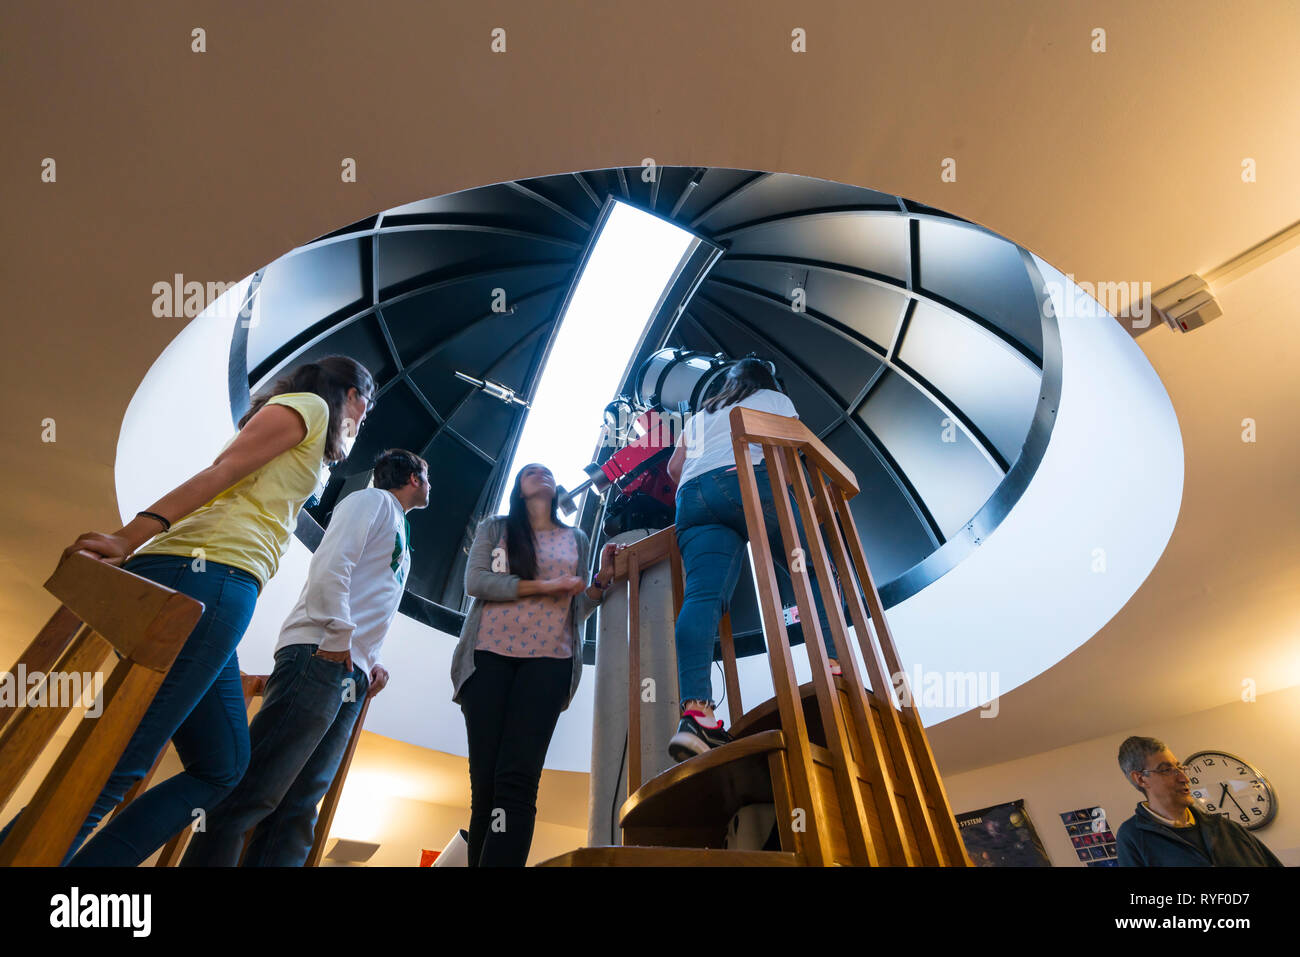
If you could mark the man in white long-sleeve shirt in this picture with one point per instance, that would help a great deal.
(326, 665)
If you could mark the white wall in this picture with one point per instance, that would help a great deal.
(1087, 774)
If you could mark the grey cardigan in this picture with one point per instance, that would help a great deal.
(482, 584)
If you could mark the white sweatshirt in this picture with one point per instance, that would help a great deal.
(356, 579)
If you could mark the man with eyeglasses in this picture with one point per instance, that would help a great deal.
(1169, 829)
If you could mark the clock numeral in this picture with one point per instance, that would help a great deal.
(1258, 812)
(1245, 819)
(1210, 807)
(1209, 762)
(1260, 798)
(1196, 780)
(1241, 771)
(1196, 768)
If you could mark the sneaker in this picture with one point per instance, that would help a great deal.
(693, 738)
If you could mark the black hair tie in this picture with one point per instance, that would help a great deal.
(167, 526)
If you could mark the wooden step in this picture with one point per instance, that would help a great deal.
(766, 716)
(690, 805)
(669, 857)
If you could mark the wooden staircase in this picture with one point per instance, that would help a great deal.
(105, 609)
(847, 767)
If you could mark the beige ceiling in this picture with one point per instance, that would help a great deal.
(1116, 166)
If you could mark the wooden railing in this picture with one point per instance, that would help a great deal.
(146, 624)
(143, 622)
(891, 804)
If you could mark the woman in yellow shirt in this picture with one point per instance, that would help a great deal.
(219, 538)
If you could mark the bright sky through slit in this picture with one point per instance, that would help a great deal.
(634, 257)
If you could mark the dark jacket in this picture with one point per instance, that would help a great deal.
(1145, 842)
(482, 584)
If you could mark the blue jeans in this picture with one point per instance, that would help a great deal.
(199, 707)
(711, 536)
(308, 711)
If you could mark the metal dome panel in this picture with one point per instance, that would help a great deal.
(912, 342)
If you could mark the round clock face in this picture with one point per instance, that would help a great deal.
(1227, 785)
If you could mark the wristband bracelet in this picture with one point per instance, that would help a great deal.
(158, 518)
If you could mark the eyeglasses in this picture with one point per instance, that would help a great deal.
(1176, 769)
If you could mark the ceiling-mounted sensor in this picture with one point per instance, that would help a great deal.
(1186, 305)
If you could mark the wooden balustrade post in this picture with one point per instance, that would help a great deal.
(950, 845)
(49, 643)
(783, 469)
(25, 737)
(873, 764)
(730, 675)
(815, 842)
(906, 779)
(633, 673)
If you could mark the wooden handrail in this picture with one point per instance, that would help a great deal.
(146, 624)
(141, 619)
(105, 609)
(891, 804)
(769, 429)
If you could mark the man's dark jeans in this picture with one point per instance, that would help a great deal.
(309, 709)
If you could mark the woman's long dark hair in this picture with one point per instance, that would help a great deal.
(743, 379)
(520, 550)
(330, 378)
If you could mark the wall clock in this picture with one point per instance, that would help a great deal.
(1227, 785)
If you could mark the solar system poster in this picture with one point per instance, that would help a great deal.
(1002, 836)
(1090, 833)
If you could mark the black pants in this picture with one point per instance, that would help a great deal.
(510, 707)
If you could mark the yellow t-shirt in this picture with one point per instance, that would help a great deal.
(249, 525)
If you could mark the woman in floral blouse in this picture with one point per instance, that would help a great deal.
(519, 659)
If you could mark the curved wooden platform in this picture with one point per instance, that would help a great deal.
(669, 857)
(765, 716)
(708, 789)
